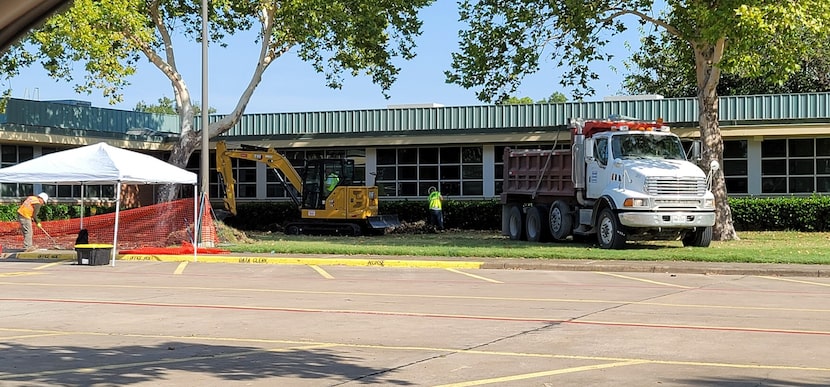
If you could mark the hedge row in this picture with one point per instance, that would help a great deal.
(778, 214)
(748, 214)
(8, 212)
(471, 215)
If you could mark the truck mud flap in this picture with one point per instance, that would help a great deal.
(381, 222)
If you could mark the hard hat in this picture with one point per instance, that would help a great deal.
(44, 196)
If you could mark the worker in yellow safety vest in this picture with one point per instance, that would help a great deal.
(332, 179)
(436, 214)
(27, 212)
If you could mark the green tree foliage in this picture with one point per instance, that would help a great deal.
(108, 38)
(166, 105)
(556, 97)
(665, 66)
(503, 42)
(518, 101)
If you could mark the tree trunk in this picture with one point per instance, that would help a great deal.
(708, 75)
(189, 141)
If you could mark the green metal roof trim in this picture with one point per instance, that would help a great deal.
(65, 115)
(742, 110)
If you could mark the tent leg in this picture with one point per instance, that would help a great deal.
(195, 222)
(115, 233)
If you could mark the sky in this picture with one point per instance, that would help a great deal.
(291, 85)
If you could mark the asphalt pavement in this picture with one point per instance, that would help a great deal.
(688, 267)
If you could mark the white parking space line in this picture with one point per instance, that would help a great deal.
(643, 280)
(476, 276)
(794, 280)
(322, 272)
(544, 373)
(180, 268)
(48, 265)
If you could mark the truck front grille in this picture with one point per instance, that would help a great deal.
(675, 186)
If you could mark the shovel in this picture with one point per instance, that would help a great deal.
(54, 242)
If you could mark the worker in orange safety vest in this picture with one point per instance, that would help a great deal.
(28, 211)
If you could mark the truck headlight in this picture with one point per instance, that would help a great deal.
(708, 203)
(633, 202)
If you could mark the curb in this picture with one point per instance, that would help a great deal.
(685, 267)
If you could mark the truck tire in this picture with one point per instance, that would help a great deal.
(536, 227)
(700, 237)
(609, 231)
(560, 221)
(515, 223)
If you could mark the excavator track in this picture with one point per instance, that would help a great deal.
(323, 228)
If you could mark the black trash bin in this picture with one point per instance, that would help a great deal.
(93, 254)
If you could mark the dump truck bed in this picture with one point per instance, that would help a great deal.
(537, 173)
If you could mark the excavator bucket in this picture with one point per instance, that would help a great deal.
(381, 222)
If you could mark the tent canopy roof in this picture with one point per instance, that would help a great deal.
(98, 163)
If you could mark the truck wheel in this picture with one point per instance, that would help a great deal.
(700, 237)
(515, 223)
(609, 231)
(560, 220)
(292, 230)
(536, 227)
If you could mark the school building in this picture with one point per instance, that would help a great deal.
(774, 145)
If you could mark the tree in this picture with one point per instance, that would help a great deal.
(512, 100)
(166, 105)
(503, 43)
(664, 66)
(110, 37)
(556, 97)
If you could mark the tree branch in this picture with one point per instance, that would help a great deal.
(268, 51)
(617, 12)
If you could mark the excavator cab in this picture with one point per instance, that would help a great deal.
(321, 177)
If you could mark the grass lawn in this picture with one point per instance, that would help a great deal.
(758, 247)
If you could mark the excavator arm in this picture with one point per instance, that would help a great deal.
(269, 156)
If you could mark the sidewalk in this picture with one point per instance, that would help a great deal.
(711, 268)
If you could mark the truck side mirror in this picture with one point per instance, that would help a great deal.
(589, 149)
(695, 150)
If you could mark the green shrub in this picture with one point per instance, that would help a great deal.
(782, 213)
(748, 214)
(8, 212)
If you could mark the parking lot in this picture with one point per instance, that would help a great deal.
(219, 324)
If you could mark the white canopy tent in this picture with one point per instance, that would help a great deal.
(101, 164)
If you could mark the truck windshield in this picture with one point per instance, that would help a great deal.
(634, 146)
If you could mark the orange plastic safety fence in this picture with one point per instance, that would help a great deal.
(158, 225)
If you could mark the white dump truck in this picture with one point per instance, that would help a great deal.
(621, 180)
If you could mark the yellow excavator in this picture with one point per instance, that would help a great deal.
(329, 201)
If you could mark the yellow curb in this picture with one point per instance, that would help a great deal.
(44, 254)
(305, 261)
(71, 255)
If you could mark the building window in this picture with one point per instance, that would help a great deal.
(823, 165)
(735, 168)
(12, 155)
(456, 171)
(795, 166)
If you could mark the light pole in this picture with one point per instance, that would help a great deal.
(205, 162)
